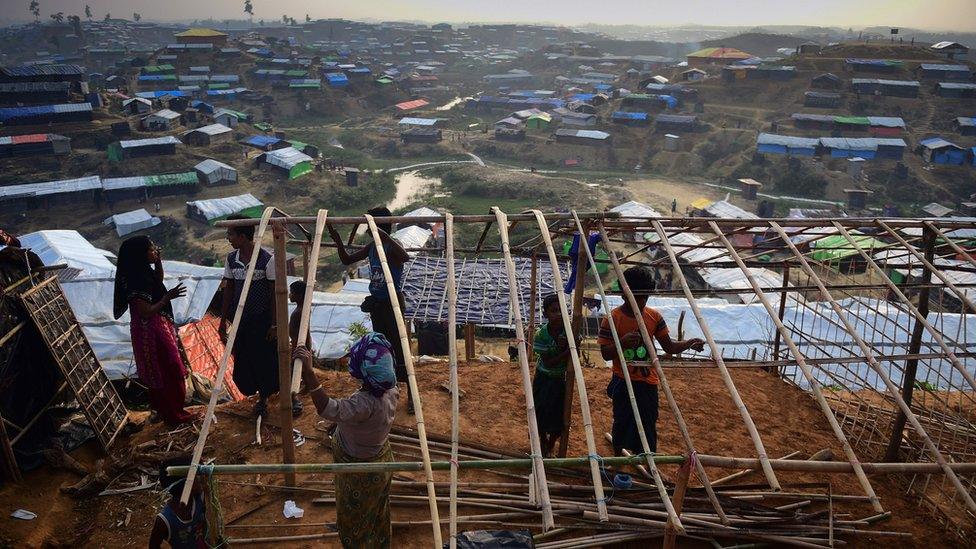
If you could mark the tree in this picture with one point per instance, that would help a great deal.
(249, 10)
(261, 22)
(58, 17)
(284, 19)
(108, 17)
(307, 18)
(136, 16)
(35, 9)
(88, 12)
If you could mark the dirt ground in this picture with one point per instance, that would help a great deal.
(492, 412)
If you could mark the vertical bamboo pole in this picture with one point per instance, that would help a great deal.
(783, 332)
(452, 362)
(717, 358)
(781, 313)
(533, 304)
(914, 346)
(284, 349)
(641, 435)
(929, 244)
(538, 469)
(411, 380)
(948, 240)
(680, 487)
(228, 348)
(311, 270)
(578, 290)
(873, 363)
(469, 341)
(595, 473)
(662, 378)
(928, 264)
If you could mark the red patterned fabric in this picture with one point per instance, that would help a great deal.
(204, 350)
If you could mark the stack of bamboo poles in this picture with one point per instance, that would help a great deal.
(803, 516)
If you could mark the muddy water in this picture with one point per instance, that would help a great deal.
(410, 185)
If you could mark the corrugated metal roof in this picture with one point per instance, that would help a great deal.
(135, 143)
(48, 188)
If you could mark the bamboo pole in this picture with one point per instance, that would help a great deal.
(284, 350)
(453, 365)
(538, 470)
(920, 318)
(411, 378)
(948, 240)
(928, 264)
(578, 290)
(641, 434)
(739, 474)
(662, 379)
(228, 348)
(311, 271)
(806, 370)
(568, 321)
(643, 470)
(873, 363)
(717, 357)
(533, 304)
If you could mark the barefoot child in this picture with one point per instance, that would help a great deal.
(549, 386)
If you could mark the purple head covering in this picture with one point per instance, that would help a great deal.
(371, 360)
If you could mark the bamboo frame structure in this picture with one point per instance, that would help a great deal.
(716, 357)
(411, 378)
(597, 475)
(538, 471)
(843, 343)
(311, 270)
(453, 365)
(284, 350)
(228, 349)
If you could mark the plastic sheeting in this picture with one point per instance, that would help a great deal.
(69, 247)
(130, 222)
(216, 208)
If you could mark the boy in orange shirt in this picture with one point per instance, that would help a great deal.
(643, 378)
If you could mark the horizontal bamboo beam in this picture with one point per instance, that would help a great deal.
(526, 463)
(359, 220)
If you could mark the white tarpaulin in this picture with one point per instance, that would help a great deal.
(130, 222)
(69, 247)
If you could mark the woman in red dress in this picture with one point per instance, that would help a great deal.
(155, 344)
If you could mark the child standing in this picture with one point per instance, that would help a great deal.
(551, 345)
(181, 526)
(643, 378)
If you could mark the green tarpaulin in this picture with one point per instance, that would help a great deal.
(185, 178)
(852, 120)
(835, 248)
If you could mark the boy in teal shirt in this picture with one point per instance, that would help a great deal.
(551, 346)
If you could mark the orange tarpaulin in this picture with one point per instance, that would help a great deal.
(410, 105)
(204, 350)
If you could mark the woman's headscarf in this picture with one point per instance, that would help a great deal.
(371, 360)
(135, 278)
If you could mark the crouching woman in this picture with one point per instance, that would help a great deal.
(363, 422)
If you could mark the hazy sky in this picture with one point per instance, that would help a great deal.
(931, 14)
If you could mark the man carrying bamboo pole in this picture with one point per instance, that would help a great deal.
(255, 348)
(379, 302)
(643, 378)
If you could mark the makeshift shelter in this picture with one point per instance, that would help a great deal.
(866, 148)
(675, 123)
(137, 105)
(294, 162)
(949, 50)
(813, 121)
(34, 93)
(838, 252)
(956, 90)
(886, 126)
(208, 135)
(714, 56)
(826, 81)
(583, 137)
(46, 114)
(68, 247)
(131, 222)
(411, 105)
(265, 142)
(937, 71)
(143, 147)
(940, 151)
(874, 65)
(567, 117)
(211, 172)
(889, 88)
(630, 118)
(337, 79)
(965, 125)
(768, 143)
(149, 186)
(27, 196)
(214, 209)
(421, 135)
(164, 120)
(408, 121)
(821, 99)
(34, 145)
(194, 36)
(539, 121)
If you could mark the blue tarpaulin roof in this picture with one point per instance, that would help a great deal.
(262, 141)
(155, 94)
(629, 115)
(937, 143)
(40, 110)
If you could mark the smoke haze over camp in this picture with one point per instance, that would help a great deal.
(958, 15)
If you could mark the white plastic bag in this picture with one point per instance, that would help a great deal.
(293, 511)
